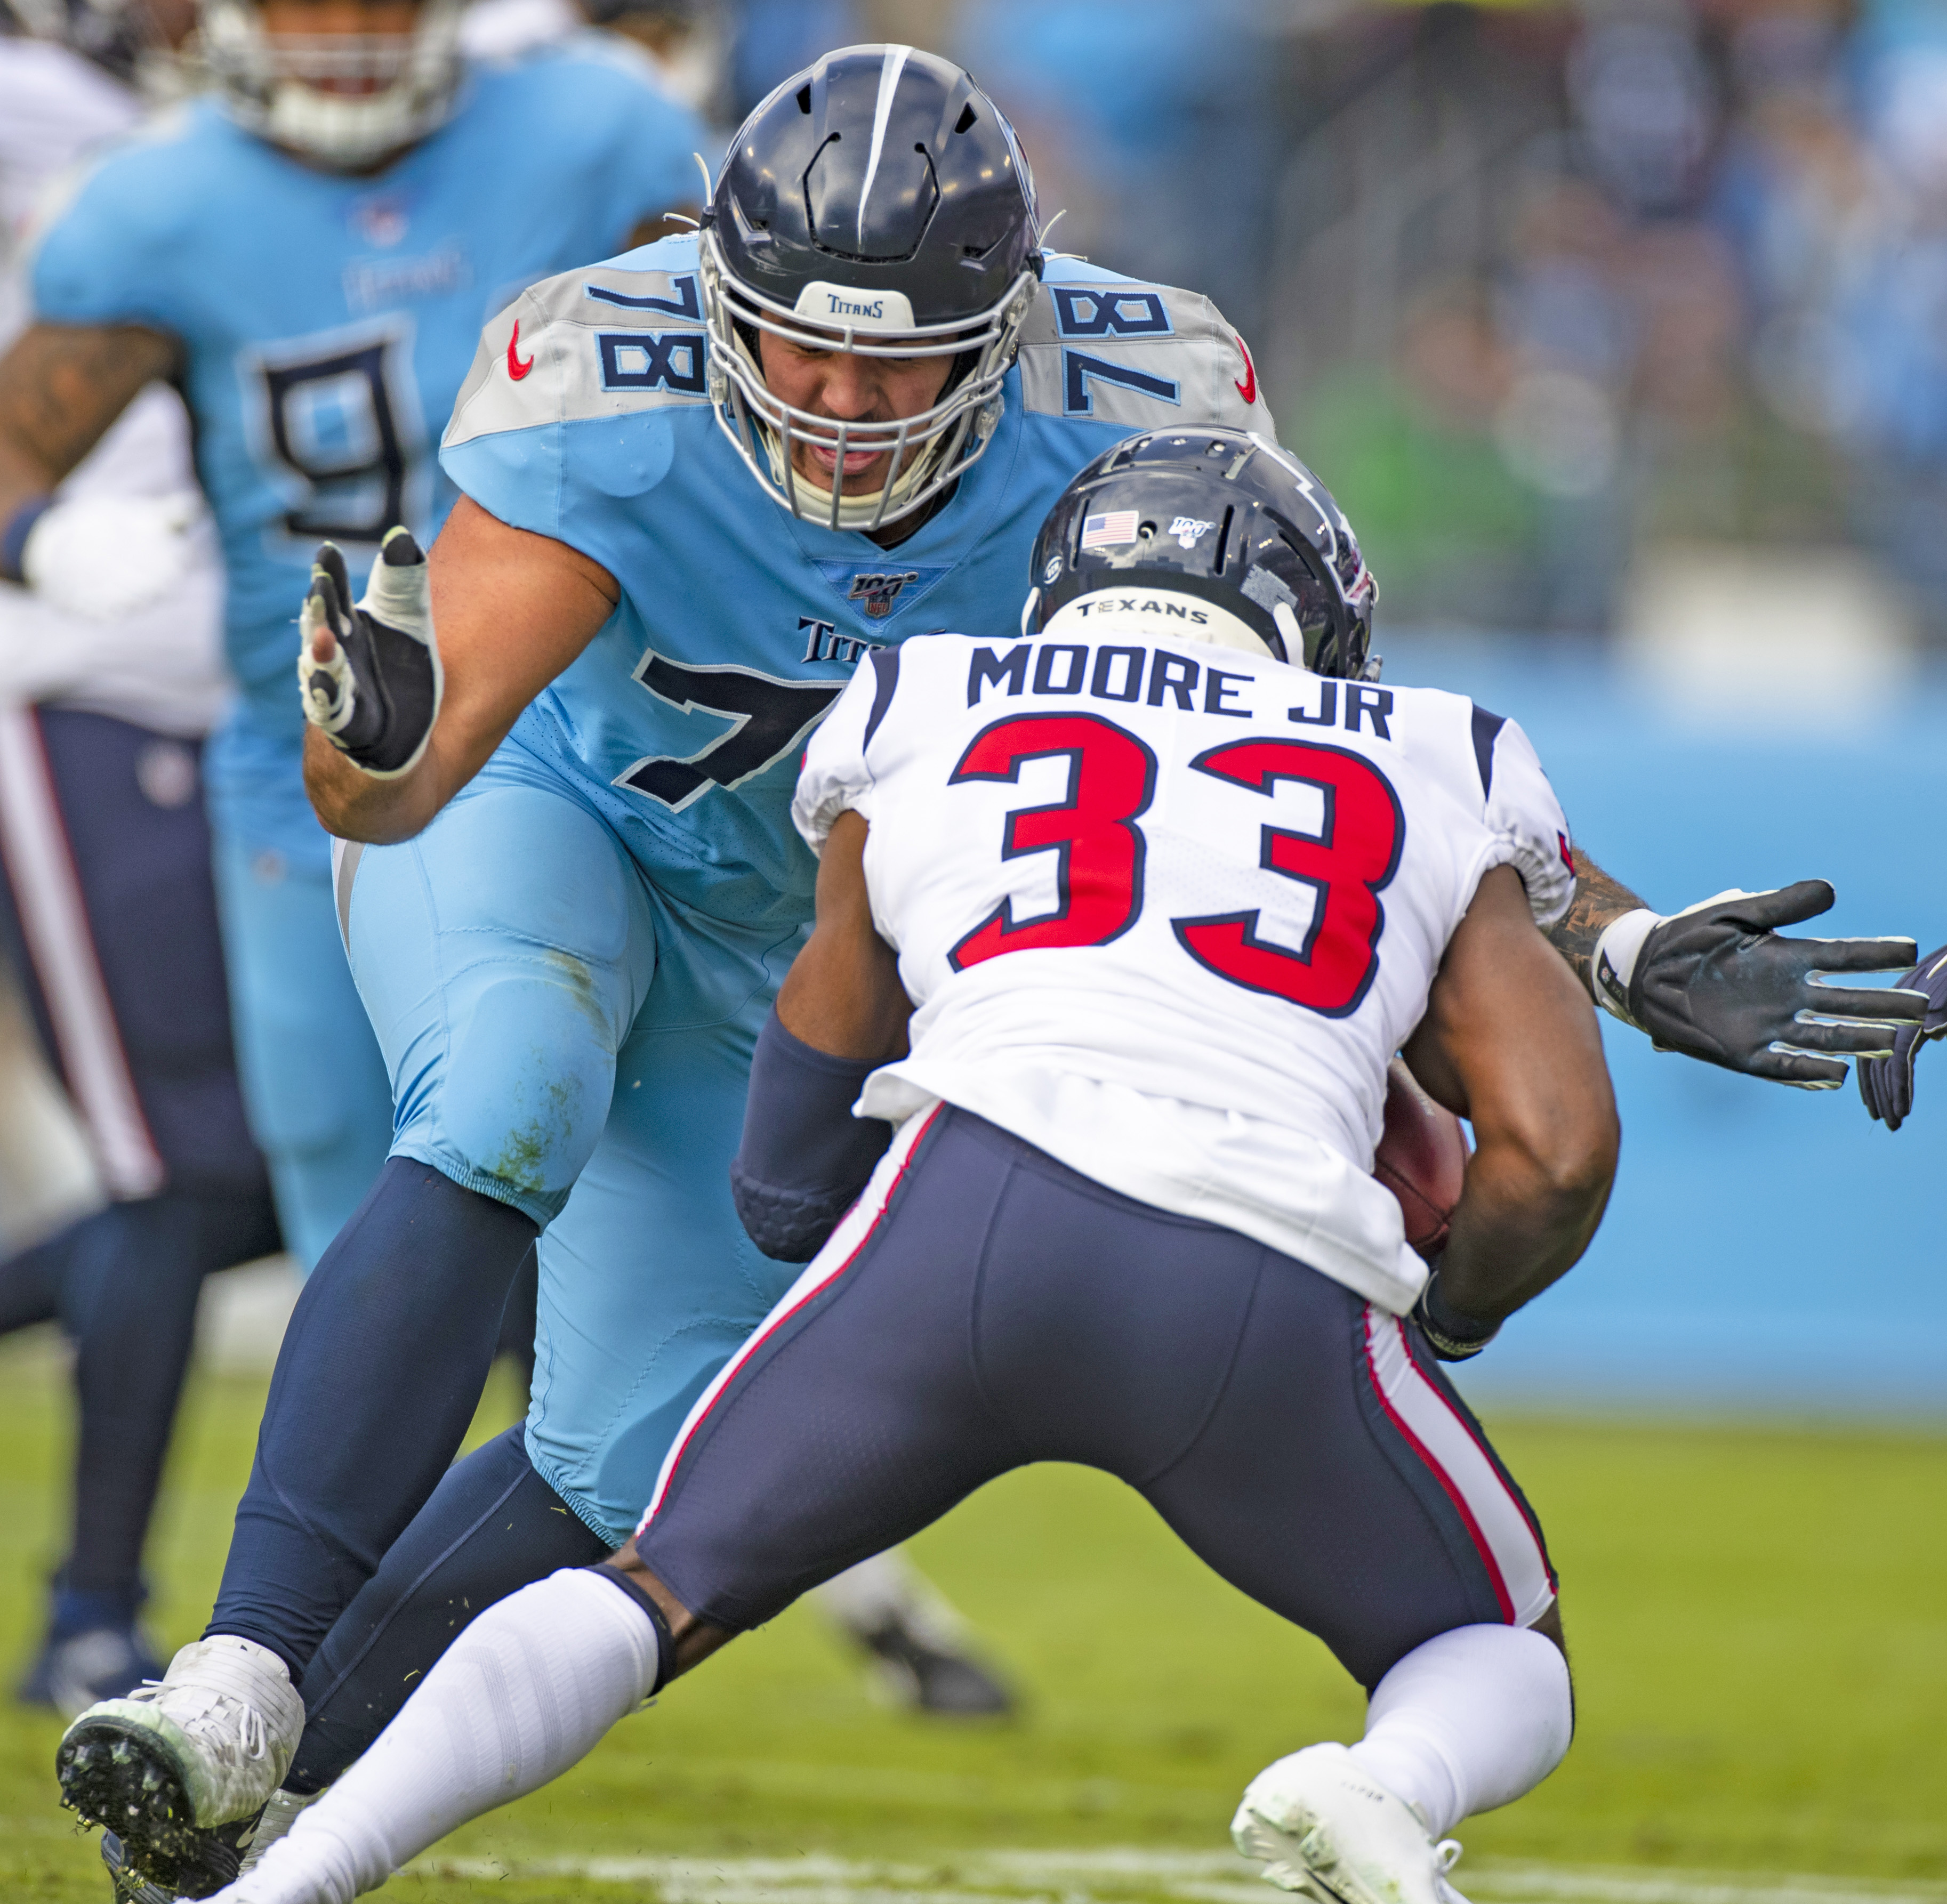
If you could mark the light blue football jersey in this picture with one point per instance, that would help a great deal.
(327, 323)
(684, 721)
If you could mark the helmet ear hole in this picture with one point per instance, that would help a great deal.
(804, 100)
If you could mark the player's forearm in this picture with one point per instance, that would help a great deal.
(60, 387)
(1509, 1041)
(1598, 900)
(1526, 1214)
(352, 804)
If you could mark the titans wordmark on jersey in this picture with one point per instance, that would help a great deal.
(1168, 910)
(586, 419)
(327, 322)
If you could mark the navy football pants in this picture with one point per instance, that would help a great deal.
(107, 911)
(983, 1307)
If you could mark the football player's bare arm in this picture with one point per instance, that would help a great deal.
(512, 610)
(1598, 900)
(61, 386)
(843, 995)
(1509, 1041)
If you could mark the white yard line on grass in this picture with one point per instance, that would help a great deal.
(1100, 1876)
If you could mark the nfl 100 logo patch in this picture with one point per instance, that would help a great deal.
(877, 590)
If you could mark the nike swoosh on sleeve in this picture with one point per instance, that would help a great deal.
(1246, 388)
(517, 369)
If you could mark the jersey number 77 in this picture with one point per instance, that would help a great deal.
(1102, 850)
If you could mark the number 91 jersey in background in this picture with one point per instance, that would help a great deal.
(326, 322)
(1167, 910)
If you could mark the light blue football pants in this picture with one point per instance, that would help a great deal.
(319, 1101)
(563, 1037)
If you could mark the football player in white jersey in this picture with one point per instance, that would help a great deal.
(1120, 925)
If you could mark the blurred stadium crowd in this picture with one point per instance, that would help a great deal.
(1528, 283)
(1529, 286)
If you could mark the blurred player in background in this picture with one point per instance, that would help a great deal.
(108, 910)
(1127, 1219)
(309, 252)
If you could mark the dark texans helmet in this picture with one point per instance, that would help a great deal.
(1224, 514)
(878, 202)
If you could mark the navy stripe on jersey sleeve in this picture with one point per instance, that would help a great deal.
(1487, 730)
(885, 665)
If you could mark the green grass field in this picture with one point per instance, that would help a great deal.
(1758, 1616)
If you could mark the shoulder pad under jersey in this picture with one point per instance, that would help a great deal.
(604, 341)
(1113, 350)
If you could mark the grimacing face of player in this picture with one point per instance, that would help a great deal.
(339, 19)
(849, 388)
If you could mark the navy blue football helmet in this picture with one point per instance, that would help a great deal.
(876, 202)
(1224, 514)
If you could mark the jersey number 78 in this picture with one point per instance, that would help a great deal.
(1102, 850)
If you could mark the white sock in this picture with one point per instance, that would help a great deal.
(525, 1692)
(1471, 1720)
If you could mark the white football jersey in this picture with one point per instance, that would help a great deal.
(1167, 910)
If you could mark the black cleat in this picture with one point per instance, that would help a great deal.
(925, 1674)
(128, 1781)
(130, 1887)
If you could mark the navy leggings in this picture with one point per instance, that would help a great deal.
(108, 917)
(983, 1307)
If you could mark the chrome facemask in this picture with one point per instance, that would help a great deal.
(930, 451)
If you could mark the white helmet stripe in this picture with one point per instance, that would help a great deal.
(888, 84)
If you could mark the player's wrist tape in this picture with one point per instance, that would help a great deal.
(14, 537)
(1613, 964)
(1450, 1333)
(804, 1157)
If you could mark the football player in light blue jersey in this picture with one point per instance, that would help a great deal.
(309, 252)
(568, 968)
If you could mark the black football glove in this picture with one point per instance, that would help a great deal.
(1716, 981)
(375, 697)
(1451, 1333)
(1886, 1083)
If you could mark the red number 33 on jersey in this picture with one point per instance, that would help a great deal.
(1111, 780)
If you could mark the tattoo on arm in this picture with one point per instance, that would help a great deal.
(1598, 899)
(61, 386)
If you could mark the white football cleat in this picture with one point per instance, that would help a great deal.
(1321, 1827)
(177, 1760)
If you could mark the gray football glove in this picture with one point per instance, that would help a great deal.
(375, 694)
(1716, 981)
